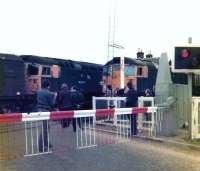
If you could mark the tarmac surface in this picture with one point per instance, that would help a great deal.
(134, 154)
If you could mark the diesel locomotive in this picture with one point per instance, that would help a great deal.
(21, 76)
(141, 72)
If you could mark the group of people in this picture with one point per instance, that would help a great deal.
(73, 99)
(70, 99)
(65, 99)
(108, 91)
(131, 100)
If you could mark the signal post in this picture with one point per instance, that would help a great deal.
(187, 60)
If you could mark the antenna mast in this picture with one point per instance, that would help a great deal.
(111, 28)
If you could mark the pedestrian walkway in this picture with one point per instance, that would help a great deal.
(181, 138)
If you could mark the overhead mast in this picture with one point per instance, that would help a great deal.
(111, 42)
(109, 25)
(111, 28)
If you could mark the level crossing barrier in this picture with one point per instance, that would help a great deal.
(108, 102)
(35, 133)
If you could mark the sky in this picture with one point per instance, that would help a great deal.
(78, 29)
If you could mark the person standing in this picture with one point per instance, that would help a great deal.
(64, 103)
(45, 103)
(77, 100)
(131, 101)
(148, 93)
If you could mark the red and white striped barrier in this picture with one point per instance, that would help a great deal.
(55, 115)
(92, 128)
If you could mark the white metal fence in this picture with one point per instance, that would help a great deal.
(195, 123)
(43, 132)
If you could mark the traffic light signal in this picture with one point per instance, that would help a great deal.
(187, 58)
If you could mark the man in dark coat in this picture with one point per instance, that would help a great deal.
(131, 101)
(45, 103)
(77, 101)
(63, 99)
(64, 103)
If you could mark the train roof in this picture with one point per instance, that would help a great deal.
(127, 60)
(10, 57)
(154, 60)
(39, 59)
(88, 64)
(151, 62)
(83, 65)
(50, 61)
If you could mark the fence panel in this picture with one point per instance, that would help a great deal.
(181, 92)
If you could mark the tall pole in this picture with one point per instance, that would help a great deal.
(190, 96)
(113, 41)
(111, 28)
(109, 25)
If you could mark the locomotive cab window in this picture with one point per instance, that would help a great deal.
(46, 70)
(116, 67)
(55, 71)
(107, 70)
(139, 71)
(32, 70)
(129, 70)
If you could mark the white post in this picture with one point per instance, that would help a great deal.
(94, 107)
(115, 116)
(140, 115)
(93, 102)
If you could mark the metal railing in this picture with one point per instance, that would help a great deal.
(28, 134)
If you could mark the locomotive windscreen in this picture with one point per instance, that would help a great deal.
(32, 70)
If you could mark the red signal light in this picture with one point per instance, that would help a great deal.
(187, 59)
(185, 53)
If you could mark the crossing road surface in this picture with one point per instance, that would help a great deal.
(135, 155)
